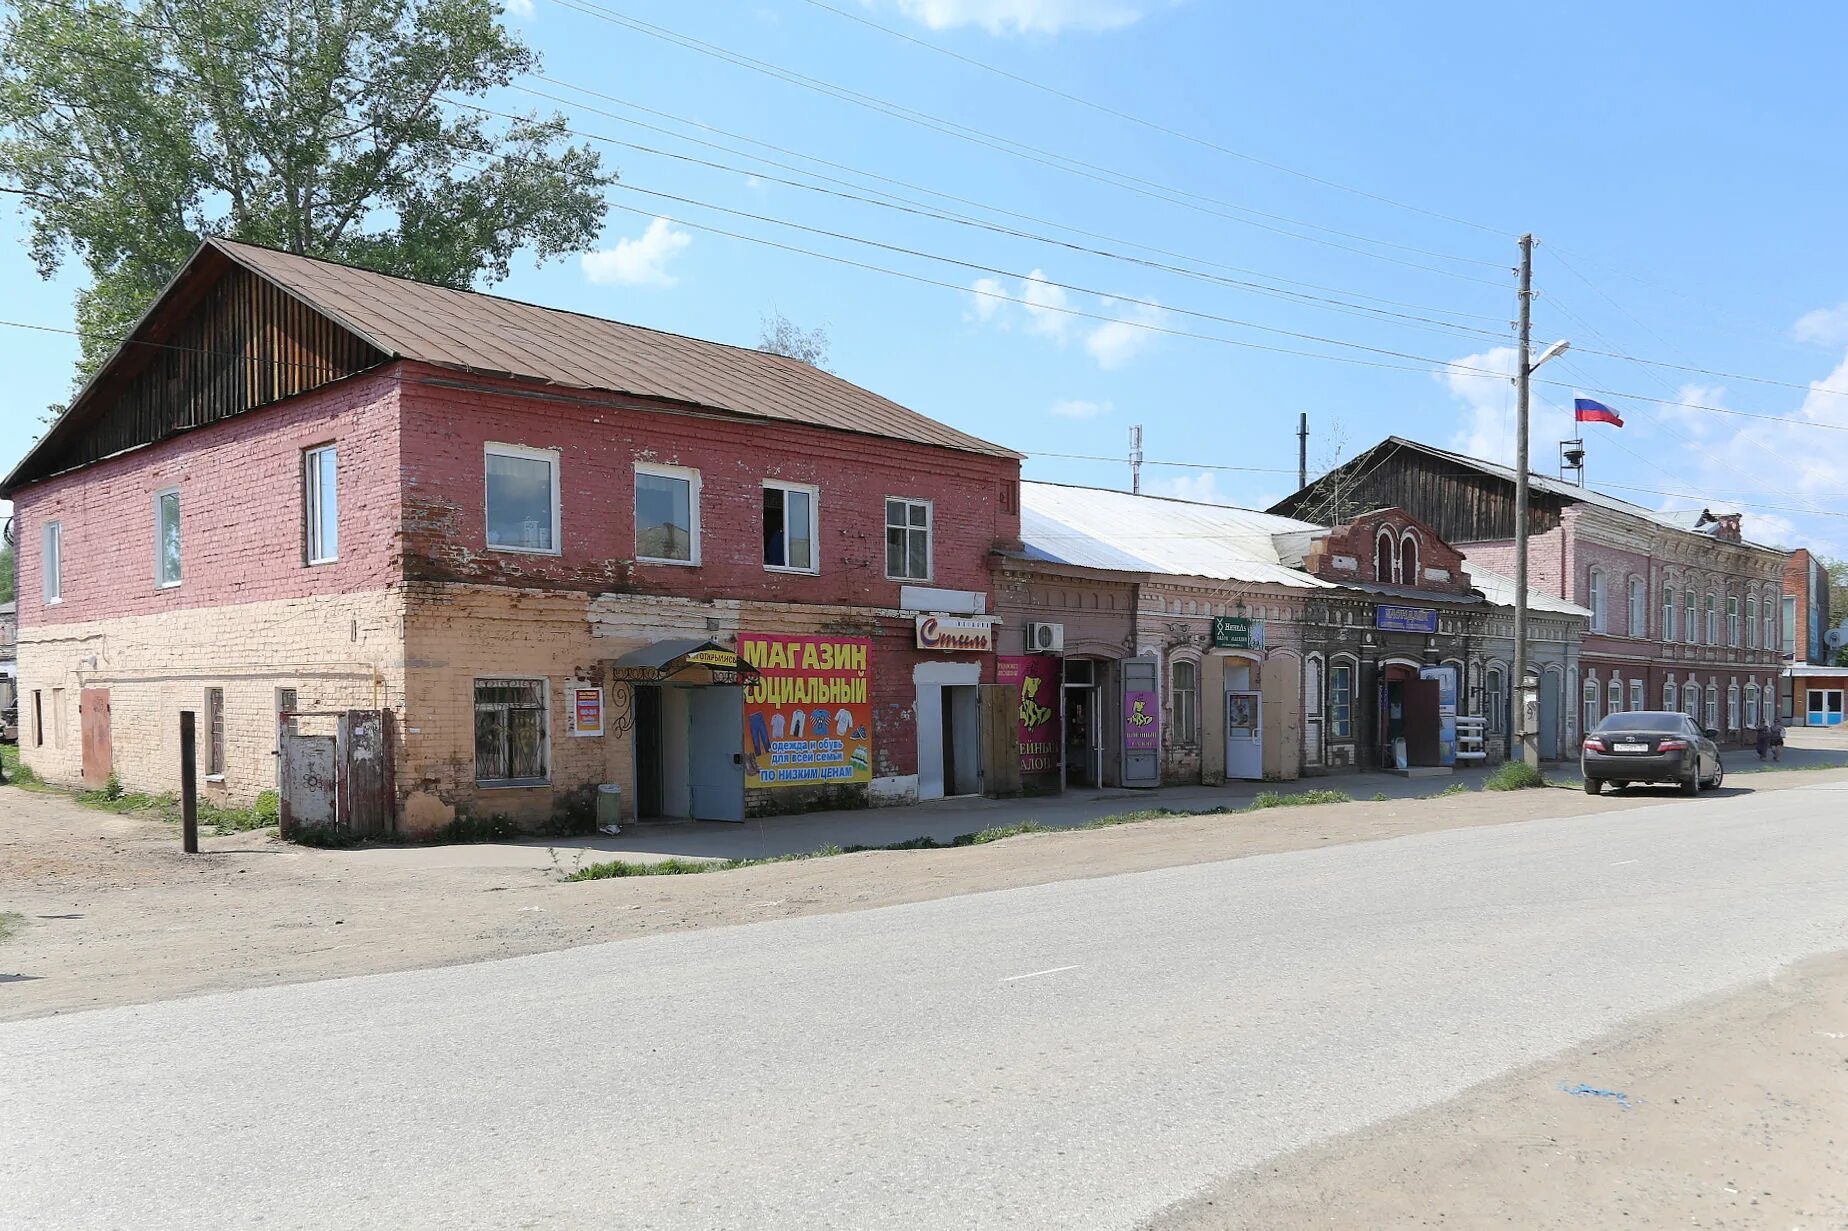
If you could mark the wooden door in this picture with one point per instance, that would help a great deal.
(1001, 739)
(98, 749)
(1423, 745)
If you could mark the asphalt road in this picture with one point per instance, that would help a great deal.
(1076, 1055)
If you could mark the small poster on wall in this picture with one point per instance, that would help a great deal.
(1141, 721)
(586, 711)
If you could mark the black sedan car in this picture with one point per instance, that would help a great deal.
(1647, 746)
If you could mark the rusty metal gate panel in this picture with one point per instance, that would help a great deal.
(98, 748)
(365, 774)
(308, 782)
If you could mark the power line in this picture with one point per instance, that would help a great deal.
(1072, 166)
(1150, 124)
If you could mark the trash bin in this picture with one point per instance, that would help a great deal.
(609, 808)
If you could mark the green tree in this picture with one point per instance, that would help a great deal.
(6, 574)
(332, 128)
(782, 336)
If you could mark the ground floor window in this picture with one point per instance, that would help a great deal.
(215, 732)
(1732, 707)
(1592, 707)
(1636, 695)
(1713, 707)
(1614, 695)
(1751, 705)
(1495, 704)
(1341, 701)
(1690, 697)
(1671, 695)
(1186, 695)
(38, 718)
(510, 731)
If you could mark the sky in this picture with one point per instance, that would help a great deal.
(1223, 215)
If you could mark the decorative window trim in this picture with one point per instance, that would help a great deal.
(525, 453)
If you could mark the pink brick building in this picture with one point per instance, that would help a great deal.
(559, 552)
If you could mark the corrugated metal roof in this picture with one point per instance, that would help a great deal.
(1498, 589)
(1097, 528)
(481, 333)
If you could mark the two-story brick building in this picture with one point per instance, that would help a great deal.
(559, 550)
(1684, 610)
(1815, 689)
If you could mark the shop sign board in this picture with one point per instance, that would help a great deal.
(586, 710)
(808, 713)
(1037, 677)
(958, 634)
(1405, 619)
(1237, 633)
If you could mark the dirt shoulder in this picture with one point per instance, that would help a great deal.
(1728, 1113)
(113, 913)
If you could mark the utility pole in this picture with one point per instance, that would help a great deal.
(1135, 460)
(1302, 451)
(1525, 738)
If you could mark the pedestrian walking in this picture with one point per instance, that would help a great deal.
(1777, 739)
(1764, 741)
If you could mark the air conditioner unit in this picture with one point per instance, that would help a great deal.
(1045, 638)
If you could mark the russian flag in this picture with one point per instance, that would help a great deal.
(1584, 410)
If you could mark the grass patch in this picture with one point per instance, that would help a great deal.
(17, 773)
(1514, 776)
(113, 797)
(11, 921)
(1305, 799)
(984, 837)
(1455, 788)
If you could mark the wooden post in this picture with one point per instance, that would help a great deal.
(189, 785)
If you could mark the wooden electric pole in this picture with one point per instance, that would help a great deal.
(1525, 737)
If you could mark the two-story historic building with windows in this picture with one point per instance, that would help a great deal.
(556, 551)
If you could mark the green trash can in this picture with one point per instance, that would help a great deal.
(609, 808)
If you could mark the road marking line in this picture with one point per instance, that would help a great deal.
(1623, 862)
(1036, 974)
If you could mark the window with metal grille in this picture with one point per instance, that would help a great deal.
(907, 539)
(1186, 695)
(510, 731)
(215, 732)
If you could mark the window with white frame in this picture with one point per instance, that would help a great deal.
(1751, 704)
(908, 539)
(1341, 700)
(1495, 700)
(1594, 589)
(1636, 695)
(167, 537)
(1751, 621)
(667, 514)
(1690, 621)
(1639, 608)
(1593, 703)
(1690, 698)
(51, 562)
(789, 527)
(522, 499)
(1671, 696)
(320, 506)
(1713, 620)
(1732, 707)
(1713, 707)
(1185, 692)
(1312, 709)
(510, 732)
(1668, 613)
(1732, 620)
(1613, 696)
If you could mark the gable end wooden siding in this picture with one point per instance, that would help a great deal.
(1462, 505)
(244, 344)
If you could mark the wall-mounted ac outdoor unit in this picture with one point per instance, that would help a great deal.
(1045, 638)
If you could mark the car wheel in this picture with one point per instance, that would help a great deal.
(1593, 785)
(1691, 784)
(1719, 775)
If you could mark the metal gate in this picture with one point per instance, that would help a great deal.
(98, 747)
(336, 773)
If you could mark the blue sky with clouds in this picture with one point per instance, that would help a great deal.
(1341, 181)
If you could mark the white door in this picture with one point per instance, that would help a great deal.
(1244, 735)
(715, 753)
(1825, 707)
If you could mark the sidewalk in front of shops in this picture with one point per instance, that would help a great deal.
(944, 820)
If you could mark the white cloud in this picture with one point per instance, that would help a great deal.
(1686, 414)
(1116, 343)
(1824, 326)
(756, 185)
(1073, 409)
(520, 8)
(1045, 309)
(1203, 487)
(639, 262)
(1022, 16)
(1484, 384)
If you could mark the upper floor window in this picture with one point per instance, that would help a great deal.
(789, 527)
(522, 499)
(1690, 621)
(167, 537)
(51, 562)
(1385, 557)
(1751, 622)
(320, 506)
(1594, 588)
(1713, 620)
(1789, 627)
(666, 514)
(1732, 620)
(907, 539)
(1668, 613)
(1639, 608)
(1408, 560)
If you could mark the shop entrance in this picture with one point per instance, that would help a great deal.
(1410, 716)
(689, 761)
(1244, 722)
(1084, 753)
(1825, 707)
(962, 739)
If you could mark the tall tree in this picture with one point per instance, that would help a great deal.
(332, 128)
(6, 573)
(781, 336)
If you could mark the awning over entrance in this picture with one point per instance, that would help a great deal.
(683, 660)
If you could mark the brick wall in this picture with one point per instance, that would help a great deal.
(975, 504)
(1349, 553)
(240, 484)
